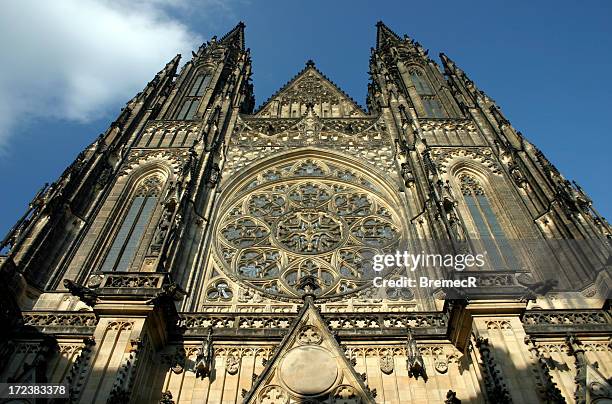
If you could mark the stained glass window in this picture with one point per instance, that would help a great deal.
(420, 82)
(311, 223)
(488, 229)
(128, 238)
(192, 100)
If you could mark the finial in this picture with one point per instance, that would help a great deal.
(310, 63)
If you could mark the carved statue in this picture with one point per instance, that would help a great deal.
(87, 295)
(407, 175)
(215, 174)
(451, 398)
(414, 361)
(204, 360)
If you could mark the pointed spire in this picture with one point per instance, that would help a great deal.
(171, 67)
(236, 36)
(384, 33)
(450, 66)
(386, 36)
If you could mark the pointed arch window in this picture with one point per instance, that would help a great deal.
(487, 226)
(136, 220)
(431, 104)
(420, 82)
(191, 102)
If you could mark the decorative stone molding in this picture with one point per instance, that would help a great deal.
(175, 159)
(107, 282)
(173, 133)
(546, 387)
(498, 325)
(497, 391)
(124, 381)
(444, 156)
(79, 369)
(566, 321)
(197, 324)
(61, 322)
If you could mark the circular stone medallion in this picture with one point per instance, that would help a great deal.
(309, 232)
(309, 370)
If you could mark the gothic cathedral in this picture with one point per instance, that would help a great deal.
(204, 251)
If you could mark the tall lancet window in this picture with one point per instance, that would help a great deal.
(191, 102)
(488, 229)
(431, 104)
(129, 236)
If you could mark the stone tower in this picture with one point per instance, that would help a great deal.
(202, 251)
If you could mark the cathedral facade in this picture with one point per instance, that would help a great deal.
(204, 251)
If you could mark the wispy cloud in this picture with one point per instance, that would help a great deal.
(73, 59)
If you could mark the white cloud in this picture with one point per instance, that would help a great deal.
(74, 59)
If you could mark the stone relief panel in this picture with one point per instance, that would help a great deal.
(363, 138)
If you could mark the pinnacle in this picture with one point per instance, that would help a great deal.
(310, 63)
(235, 34)
(383, 33)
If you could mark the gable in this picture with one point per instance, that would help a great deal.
(309, 365)
(310, 87)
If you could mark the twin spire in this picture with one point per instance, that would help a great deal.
(384, 36)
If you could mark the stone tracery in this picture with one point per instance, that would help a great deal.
(306, 219)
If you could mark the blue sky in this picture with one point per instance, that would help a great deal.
(546, 63)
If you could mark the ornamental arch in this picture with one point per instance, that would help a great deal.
(307, 216)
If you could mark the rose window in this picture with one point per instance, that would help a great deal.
(306, 226)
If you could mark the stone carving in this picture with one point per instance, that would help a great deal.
(51, 322)
(166, 398)
(565, 321)
(133, 280)
(309, 232)
(547, 388)
(451, 398)
(122, 387)
(204, 360)
(273, 395)
(220, 290)
(309, 335)
(386, 364)
(308, 88)
(170, 133)
(175, 159)
(364, 138)
(336, 321)
(87, 295)
(78, 370)
(443, 156)
(232, 364)
(414, 359)
(288, 228)
(497, 391)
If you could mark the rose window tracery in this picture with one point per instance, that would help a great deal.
(306, 225)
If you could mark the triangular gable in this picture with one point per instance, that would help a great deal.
(310, 87)
(309, 365)
(597, 386)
